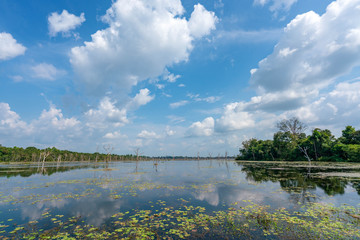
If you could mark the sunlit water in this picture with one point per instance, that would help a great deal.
(94, 192)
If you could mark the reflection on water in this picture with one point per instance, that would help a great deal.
(300, 178)
(94, 192)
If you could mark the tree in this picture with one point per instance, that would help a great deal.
(283, 145)
(350, 136)
(292, 125)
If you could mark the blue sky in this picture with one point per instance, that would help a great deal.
(173, 77)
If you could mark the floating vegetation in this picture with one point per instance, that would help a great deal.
(340, 174)
(316, 221)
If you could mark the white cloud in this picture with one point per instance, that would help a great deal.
(10, 121)
(210, 99)
(148, 135)
(143, 38)
(64, 22)
(181, 85)
(201, 21)
(160, 86)
(204, 128)
(106, 113)
(234, 118)
(276, 5)
(178, 104)
(114, 135)
(46, 71)
(53, 118)
(338, 108)
(110, 113)
(9, 48)
(51, 128)
(170, 77)
(313, 51)
(140, 99)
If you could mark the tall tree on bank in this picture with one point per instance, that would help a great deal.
(294, 126)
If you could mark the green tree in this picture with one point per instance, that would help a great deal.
(283, 145)
(350, 136)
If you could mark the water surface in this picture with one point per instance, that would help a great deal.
(93, 192)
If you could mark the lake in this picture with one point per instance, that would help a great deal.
(205, 199)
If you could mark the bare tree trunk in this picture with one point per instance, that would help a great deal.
(304, 150)
(45, 155)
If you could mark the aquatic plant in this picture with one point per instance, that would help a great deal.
(243, 220)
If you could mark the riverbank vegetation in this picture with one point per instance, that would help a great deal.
(290, 143)
(33, 154)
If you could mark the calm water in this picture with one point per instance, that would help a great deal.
(95, 192)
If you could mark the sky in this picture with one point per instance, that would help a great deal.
(174, 77)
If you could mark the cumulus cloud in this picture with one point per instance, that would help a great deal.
(204, 128)
(281, 101)
(10, 121)
(113, 113)
(313, 51)
(143, 38)
(114, 135)
(234, 118)
(201, 21)
(148, 135)
(9, 48)
(54, 117)
(140, 99)
(64, 22)
(106, 113)
(46, 71)
(50, 128)
(338, 108)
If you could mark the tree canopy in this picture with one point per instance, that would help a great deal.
(290, 143)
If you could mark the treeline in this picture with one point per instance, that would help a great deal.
(33, 154)
(290, 143)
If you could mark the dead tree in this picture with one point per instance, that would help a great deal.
(304, 150)
(108, 149)
(137, 153)
(44, 155)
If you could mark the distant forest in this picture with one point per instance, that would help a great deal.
(290, 143)
(33, 154)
